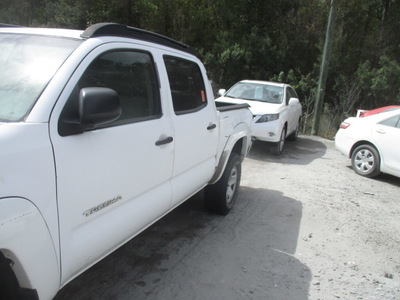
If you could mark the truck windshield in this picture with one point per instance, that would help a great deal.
(27, 65)
(256, 91)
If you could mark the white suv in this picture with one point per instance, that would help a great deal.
(275, 106)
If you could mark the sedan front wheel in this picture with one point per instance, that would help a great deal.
(365, 161)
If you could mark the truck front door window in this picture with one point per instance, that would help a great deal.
(131, 74)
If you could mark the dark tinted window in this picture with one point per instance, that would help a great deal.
(187, 85)
(131, 74)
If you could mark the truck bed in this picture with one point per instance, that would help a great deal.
(224, 106)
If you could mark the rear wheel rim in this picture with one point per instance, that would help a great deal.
(364, 161)
(232, 185)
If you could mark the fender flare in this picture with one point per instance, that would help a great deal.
(26, 241)
(240, 134)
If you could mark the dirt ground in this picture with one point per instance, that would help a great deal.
(305, 226)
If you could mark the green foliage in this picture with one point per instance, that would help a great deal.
(257, 39)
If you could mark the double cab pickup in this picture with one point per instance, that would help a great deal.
(102, 133)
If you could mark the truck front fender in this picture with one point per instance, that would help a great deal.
(26, 241)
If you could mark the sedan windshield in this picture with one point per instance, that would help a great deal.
(256, 91)
(27, 65)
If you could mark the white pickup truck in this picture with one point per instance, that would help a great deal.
(102, 133)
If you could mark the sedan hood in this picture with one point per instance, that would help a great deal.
(256, 107)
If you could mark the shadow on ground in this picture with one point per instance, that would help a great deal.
(301, 152)
(383, 177)
(192, 254)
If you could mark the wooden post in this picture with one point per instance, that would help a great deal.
(323, 74)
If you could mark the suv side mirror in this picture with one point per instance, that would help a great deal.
(293, 101)
(221, 92)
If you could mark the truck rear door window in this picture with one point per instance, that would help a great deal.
(187, 85)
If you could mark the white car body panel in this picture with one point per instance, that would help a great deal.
(31, 248)
(385, 139)
(388, 140)
(78, 197)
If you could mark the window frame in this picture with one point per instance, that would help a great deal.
(70, 113)
(204, 104)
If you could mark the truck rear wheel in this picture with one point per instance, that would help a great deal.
(221, 196)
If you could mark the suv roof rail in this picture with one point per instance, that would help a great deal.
(114, 29)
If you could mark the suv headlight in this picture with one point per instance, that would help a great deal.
(268, 118)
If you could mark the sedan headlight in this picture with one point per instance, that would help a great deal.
(268, 118)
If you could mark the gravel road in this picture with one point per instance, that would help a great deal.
(305, 226)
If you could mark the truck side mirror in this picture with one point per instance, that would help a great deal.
(98, 106)
(94, 107)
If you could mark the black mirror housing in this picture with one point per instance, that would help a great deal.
(94, 107)
(98, 106)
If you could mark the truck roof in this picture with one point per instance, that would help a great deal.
(102, 29)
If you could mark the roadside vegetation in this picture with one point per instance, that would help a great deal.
(257, 39)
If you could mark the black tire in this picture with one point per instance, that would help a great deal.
(221, 196)
(277, 148)
(365, 161)
(9, 288)
(293, 136)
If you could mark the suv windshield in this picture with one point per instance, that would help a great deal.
(256, 91)
(27, 65)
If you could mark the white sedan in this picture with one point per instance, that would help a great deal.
(275, 107)
(372, 143)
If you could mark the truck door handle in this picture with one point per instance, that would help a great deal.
(164, 141)
(211, 126)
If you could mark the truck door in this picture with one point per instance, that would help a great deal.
(196, 127)
(114, 181)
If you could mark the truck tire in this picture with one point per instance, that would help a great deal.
(9, 287)
(221, 196)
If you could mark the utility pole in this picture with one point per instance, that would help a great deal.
(323, 73)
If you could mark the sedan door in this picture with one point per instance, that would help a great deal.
(386, 135)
